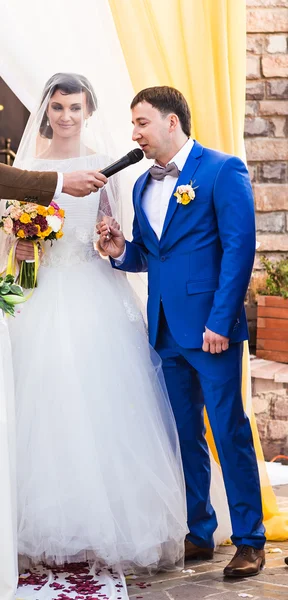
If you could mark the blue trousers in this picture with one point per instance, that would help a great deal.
(195, 378)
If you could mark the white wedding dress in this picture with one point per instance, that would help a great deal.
(99, 467)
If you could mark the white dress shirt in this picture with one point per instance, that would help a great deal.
(156, 196)
(59, 186)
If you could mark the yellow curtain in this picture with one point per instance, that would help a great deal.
(199, 47)
(196, 46)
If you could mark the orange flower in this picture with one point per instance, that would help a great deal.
(61, 212)
(21, 233)
(59, 234)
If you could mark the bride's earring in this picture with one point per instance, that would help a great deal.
(48, 123)
(86, 122)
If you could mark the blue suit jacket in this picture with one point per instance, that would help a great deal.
(201, 266)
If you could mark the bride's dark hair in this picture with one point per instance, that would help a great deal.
(67, 83)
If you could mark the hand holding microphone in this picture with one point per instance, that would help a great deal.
(112, 241)
(129, 159)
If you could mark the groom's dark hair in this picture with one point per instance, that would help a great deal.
(167, 100)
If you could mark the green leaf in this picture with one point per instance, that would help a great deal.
(5, 289)
(13, 299)
(16, 289)
(277, 277)
(6, 307)
(9, 279)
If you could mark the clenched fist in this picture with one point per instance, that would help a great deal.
(214, 342)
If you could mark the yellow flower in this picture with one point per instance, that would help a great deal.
(25, 218)
(51, 210)
(186, 198)
(59, 234)
(21, 233)
(38, 230)
(185, 193)
(61, 212)
(45, 233)
(41, 210)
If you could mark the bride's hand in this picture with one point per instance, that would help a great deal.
(111, 241)
(24, 250)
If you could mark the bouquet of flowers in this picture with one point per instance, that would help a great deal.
(10, 294)
(34, 223)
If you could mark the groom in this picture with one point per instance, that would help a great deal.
(198, 248)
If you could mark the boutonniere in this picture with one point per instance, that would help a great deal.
(185, 193)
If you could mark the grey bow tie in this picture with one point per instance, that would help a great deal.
(159, 172)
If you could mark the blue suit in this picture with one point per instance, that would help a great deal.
(198, 274)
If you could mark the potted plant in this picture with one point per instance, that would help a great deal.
(272, 312)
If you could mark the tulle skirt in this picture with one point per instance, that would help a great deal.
(98, 459)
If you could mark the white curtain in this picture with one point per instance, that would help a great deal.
(38, 39)
(41, 38)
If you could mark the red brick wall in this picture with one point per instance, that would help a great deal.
(266, 123)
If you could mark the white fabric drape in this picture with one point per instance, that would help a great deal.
(8, 556)
(37, 40)
(40, 39)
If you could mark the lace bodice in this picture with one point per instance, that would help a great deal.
(81, 214)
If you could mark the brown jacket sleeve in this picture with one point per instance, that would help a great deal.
(29, 186)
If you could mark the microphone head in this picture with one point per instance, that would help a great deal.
(135, 155)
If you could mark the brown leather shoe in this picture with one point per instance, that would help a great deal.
(193, 552)
(247, 561)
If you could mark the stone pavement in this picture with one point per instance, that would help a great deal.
(206, 581)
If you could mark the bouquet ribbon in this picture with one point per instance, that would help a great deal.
(12, 265)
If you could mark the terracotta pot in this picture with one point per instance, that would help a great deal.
(272, 328)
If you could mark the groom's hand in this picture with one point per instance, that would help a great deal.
(111, 241)
(214, 343)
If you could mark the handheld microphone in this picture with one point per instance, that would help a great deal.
(129, 159)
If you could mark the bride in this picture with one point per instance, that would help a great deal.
(98, 461)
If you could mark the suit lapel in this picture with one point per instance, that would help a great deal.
(141, 212)
(186, 175)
